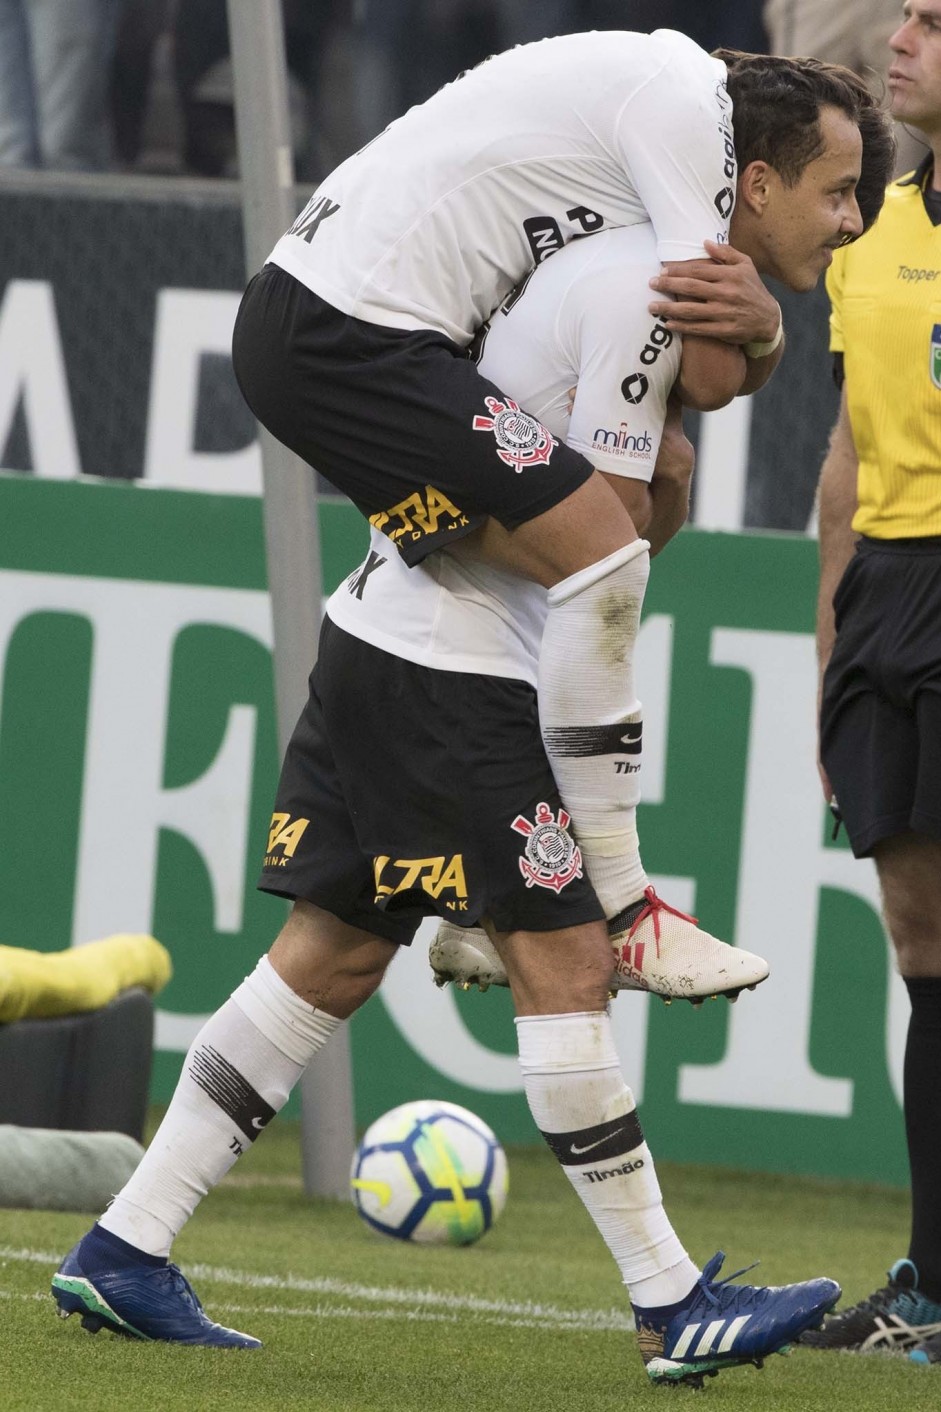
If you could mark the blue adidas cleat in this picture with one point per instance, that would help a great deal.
(721, 1325)
(113, 1286)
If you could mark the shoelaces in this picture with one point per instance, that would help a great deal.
(721, 1293)
(175, 1283)
(656, 905)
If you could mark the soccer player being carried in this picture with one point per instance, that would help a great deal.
(352, 349)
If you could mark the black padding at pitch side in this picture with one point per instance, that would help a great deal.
(87, 1073)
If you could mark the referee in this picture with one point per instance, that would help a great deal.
(879, 641)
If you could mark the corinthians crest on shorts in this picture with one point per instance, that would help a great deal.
(521, 439)
(551, 858)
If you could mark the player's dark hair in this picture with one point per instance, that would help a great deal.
(879, 152)
(776, 106)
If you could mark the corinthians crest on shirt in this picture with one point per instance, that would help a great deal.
(521, 440)
(551, 857)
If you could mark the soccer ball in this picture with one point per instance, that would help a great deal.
(430, 1172)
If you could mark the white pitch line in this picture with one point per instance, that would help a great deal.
(393, 1294)
(502, 1311)
(341, 1311)
(347, 1311)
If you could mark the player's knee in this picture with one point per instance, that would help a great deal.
(917, 942)
(557, 973)
(619, 580)
(330, 964)
(909, 868)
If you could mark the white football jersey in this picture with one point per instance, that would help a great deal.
(582, 319)
(440, 216)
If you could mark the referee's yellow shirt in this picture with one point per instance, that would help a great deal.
(885, 292)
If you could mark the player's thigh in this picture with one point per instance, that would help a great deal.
(313, 852)
(588, 525)
(401, 421)
(926, 810)
(869, 749)
(869, 736)
(452, 797)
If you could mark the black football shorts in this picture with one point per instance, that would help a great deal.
(407, 791)
(880, 719)
(401, 422)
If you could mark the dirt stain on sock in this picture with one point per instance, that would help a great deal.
(619, 615)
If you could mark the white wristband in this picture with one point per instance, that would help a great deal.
(761, 350)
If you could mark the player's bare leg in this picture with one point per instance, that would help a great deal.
(588, 555)
(237, 1075)
(689, 1324)
(905, 1313)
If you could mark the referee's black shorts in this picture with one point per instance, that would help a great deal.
(880, 719)
(401, 422)
(407, 791)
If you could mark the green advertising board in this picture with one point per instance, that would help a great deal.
(137, 768)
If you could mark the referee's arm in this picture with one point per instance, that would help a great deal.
(837, 499)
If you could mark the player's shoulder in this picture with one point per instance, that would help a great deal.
(607, 270)
(622, 257)
(618, 247)
(633, 52)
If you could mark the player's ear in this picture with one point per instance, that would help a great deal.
(754, 186)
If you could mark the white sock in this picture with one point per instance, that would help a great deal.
(580, 1103)
(237, 1075)
(614, 866)
(591, 719)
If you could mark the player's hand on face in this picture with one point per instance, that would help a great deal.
(722, 297)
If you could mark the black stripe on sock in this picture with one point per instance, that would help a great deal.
(231, 1091)
(576, 741)
(597, 1144)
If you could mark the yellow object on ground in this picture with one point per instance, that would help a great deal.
(40, 984)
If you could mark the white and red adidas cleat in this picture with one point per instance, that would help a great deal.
(662, 950)
(656, 948)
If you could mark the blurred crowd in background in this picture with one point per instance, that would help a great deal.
(146, 85)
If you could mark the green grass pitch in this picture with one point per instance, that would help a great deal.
(533, 1318)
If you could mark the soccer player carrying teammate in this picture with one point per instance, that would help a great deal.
(879, 642)
(395, 763)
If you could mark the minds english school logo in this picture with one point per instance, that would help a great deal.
(936, 355)
(521, 440)
(623, 443)
(552, 858)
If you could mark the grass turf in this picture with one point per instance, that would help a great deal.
(532, 1318)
